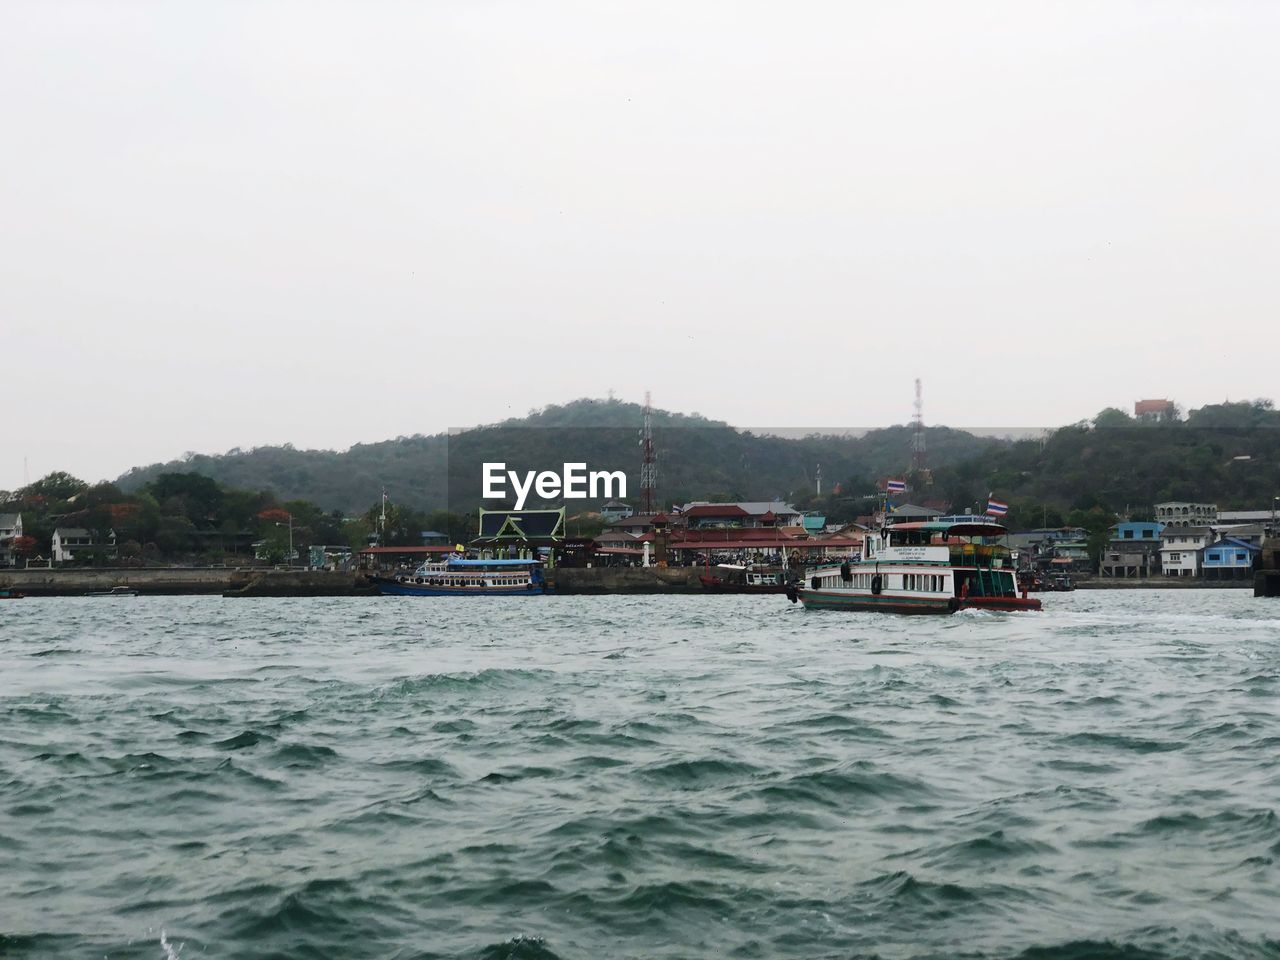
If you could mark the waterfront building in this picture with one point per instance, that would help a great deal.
(329, 557)
(1134, 550)
(636, 525)
(519, 533)
(1182, 514)
(740, 513)
(1161, 410)
(77, 543)
(1069, 556)
(1267, 518)
(1230, 559)
(616, 510)
(759, 545)
(1181, 549)
(10, 530)
(814, 524)
(1253, 533)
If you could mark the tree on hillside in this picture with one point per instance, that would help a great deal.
(1112, 417)
(54, 486)
(25, 546)
(192, 495)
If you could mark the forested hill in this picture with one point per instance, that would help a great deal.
(1228, 454)
(698, 459)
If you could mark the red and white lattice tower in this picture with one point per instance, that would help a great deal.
(648, 462)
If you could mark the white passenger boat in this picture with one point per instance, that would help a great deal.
(936, 566)
(468, 578)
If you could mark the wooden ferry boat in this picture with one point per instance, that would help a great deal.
(936, 566)
(468, 578)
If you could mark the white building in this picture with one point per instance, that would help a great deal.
(72, 542)
(1180, 514)
(10, 530)
(1181, 549)
(616, 510)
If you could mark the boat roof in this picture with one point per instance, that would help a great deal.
(967, 528)
(492, 563)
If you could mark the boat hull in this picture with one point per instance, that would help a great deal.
(890, 603)
(1003, 604)
(396, 588)
(881, 603)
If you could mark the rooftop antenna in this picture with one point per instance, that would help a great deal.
(648, 461)
(919, 455)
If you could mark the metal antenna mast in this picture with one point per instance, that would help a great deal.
(919, 457)
(648, 462)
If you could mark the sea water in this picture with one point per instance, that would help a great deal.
(655, 777)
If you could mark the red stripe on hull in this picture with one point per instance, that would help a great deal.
(1012, 604)
(822, 600)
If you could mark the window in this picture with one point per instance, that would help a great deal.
(1240, 556)
(1175, 558)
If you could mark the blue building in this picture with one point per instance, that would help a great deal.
(1134, 550)
(1229, 559)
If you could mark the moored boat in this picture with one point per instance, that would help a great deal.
(734, 579)
(114, 592)
(459, 577)
(938, 566)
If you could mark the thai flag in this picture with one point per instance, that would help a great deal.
(996, 508)
(896, 486)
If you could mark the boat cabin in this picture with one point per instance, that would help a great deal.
(967, 544)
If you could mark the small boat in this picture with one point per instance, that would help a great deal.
(467, 578)
(748, 581)
(937, 566)
(115, 592)
(7, 593)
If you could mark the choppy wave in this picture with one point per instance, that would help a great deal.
(640, 778)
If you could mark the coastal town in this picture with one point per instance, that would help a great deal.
(1187, 543)
(185, 520)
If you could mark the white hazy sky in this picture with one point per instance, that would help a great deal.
(236, 223)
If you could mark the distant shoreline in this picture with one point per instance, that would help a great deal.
(569, 581)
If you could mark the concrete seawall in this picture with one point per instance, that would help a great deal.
(565, 581)
(580, 580)
(230, 582)
(188, 581)
(1159, 583)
